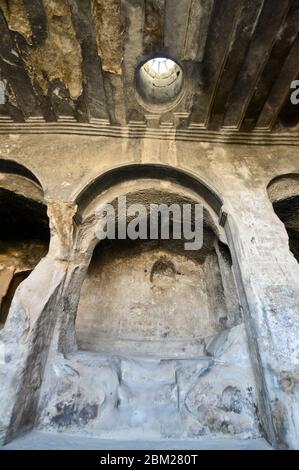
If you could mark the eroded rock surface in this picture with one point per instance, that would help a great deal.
(116, 396)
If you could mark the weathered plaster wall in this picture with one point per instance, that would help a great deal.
(227, 167)
(265, 270)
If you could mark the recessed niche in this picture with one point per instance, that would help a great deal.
(153, 298)
(24, 237)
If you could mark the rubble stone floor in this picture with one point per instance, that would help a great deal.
(37, 440)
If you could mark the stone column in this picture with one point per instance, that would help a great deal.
(85, 241)
(267, 276)
(28, 331)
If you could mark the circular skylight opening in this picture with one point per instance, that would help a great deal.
(160, 80)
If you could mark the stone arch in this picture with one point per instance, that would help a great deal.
(105, 376)
(211, 256)
(100, 190)
(160, 172)
(24, 236)
(157, 269)
(13, 167)
(105, 188)
(140, 182)
(283, 192)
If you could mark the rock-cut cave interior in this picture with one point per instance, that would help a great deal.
(140, 340)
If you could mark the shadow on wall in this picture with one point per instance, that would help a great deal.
(283, 192)
(24, 236)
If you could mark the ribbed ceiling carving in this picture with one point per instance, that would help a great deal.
(75, 60)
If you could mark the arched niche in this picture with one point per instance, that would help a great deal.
(161, 347)
(152, 296)
(24, 236)
(283, 193)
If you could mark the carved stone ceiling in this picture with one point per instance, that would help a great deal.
(76, 61)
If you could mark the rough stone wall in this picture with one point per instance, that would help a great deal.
(265, 271)
(134, 301)
(17, 260)
(124, 397)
